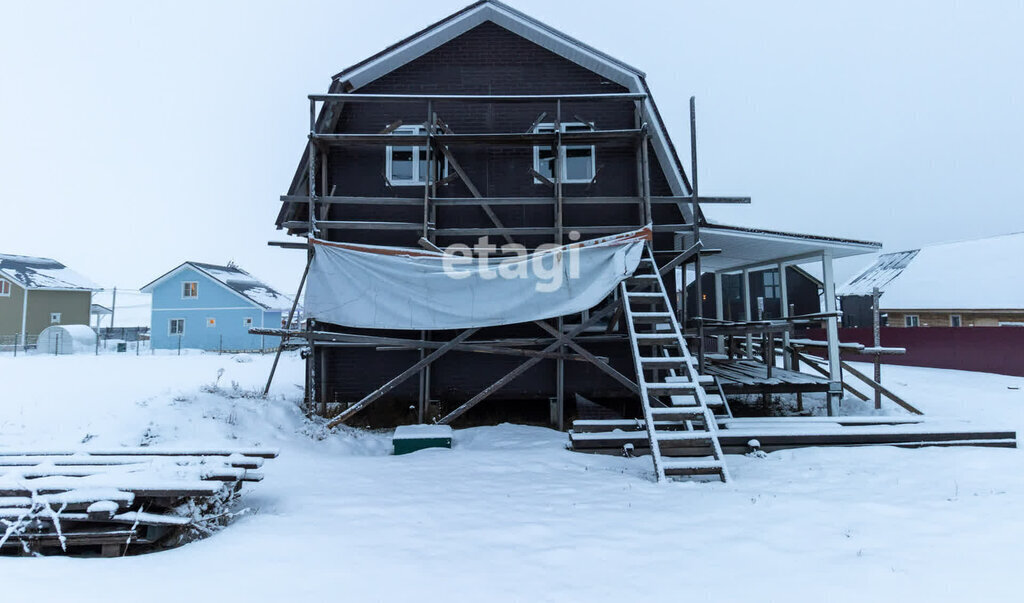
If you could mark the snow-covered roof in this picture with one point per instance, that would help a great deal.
(42, 273)
(238, 281)
(976, 274)
(886, 267)
(245, 284)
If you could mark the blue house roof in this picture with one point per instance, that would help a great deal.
(238, 281)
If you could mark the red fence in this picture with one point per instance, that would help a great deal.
(986, 349)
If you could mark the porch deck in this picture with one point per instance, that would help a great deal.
(780, 433)
(752, 377)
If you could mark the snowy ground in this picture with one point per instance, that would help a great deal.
(509, 514)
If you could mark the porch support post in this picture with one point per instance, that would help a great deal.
(784, 301)
(746, 311)
(832, 331)
(719, 310)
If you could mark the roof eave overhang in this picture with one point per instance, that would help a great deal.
(752, 249)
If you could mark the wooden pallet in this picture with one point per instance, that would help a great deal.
(110, 502)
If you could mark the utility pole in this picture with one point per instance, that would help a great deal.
(113, 306)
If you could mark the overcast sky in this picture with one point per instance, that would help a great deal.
(136, 136)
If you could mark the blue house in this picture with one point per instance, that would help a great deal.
(210, 307)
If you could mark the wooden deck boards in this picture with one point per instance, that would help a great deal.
(784, 433)
(751, 377)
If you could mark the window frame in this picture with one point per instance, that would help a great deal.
(170, 331)
(247, 322)
(211, 322)
(959, 320)
(911, 318)
(775, 287)
(5, 288)
(562, 161)
(417, 178)
(58, 315)
(195, 289)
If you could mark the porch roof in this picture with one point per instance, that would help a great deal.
(749, 248)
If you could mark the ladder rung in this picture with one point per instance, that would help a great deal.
(669, 389)
(692, 467)
(655, 338)
(667, 361)
(647, 294)
(652, 317)
(644, 277)
(683, 436)
(702, 379)
(678, 413)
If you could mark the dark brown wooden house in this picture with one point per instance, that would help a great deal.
(490, 123)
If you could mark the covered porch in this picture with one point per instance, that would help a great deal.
(741, 353)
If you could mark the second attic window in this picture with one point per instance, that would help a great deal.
(578, 163)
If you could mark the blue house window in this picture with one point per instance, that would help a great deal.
(189, 290)
(176, 326)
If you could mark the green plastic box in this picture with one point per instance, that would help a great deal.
(410, 438)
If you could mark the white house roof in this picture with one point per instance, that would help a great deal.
(977, 274)
(42, 273)
(237, 280)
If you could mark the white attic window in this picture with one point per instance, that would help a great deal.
(578, 161)
(407, 165)
(189, 290)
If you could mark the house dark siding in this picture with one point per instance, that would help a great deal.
(801, 290)
(487, 59)
(857, 311)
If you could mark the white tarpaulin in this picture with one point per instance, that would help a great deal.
(397, 288)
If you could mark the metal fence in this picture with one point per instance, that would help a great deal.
(13, 344)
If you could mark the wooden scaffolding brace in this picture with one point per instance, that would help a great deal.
(562, 345)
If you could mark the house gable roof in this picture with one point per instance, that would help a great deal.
(445, 30)
(976, 274)
(234, 279)
(34, 273)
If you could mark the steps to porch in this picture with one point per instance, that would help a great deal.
(677, 401)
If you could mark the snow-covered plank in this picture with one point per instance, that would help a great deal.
(130, 518)
(145, 451)
(241, 462)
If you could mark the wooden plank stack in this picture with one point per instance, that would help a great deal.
(112, 502)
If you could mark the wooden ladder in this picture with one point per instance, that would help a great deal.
(672, 394)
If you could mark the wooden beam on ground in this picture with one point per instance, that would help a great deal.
(398, 380)
(522, 368)
(879, 387)
(814, 365)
